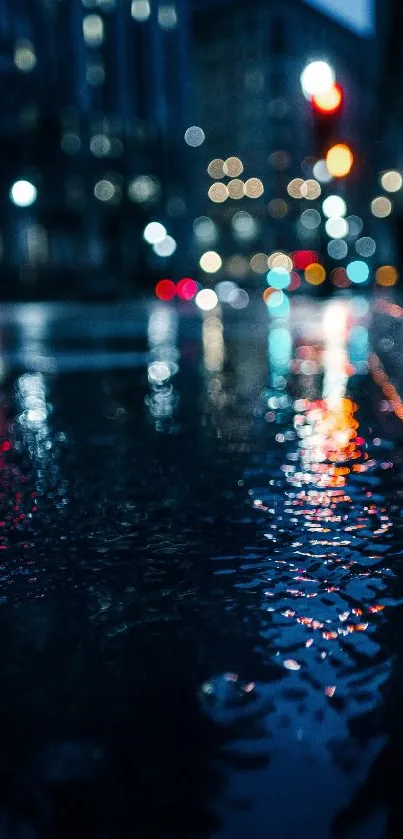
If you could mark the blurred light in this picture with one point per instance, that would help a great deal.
(279, 278)
(278, 259)
(154, 232)
(315, 273)
(336, 228)
(141, 10)
(278, 304)
(328, 102)
(205, 230)
(165, 248)
(143, 189)
(238, 298)
(339, 278)
(280, 160)
(206, 299)
(386, 276)
(70, 143)
(210, 262)
(334, 206)
(244, 225)
(337, 249)
(176, 206)
(224, 289)
(317, 78)
(165, 290)
(24, 56)
(355, 225)
(95, 74)
(233, 167)
(105, 190)
(235, 188)
(168, 19)
(339, 160)
(186, 288)
(357, 271)
(237, 266)
(294, 187)
(295, 281)
(381, 207)
(302, 259)
(93, 30)
(310, 219)
(253, 188)
(100, 145)
(160, 371)
(258, 263)
(321, 172)
(23, 193)
(216, 168)
(218, 192)
(194, 136)
(310, 189)
(277, 208)
(392, 181)
(365, 246)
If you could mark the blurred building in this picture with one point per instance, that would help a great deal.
(249, 60)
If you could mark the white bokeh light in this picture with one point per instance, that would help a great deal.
(23, 193)
(334, 206)
(154, 232)
(317, 77)
(166, 247)
(206, 299)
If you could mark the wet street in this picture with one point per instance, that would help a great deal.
(201, 587)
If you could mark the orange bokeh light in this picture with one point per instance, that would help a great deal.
(339, 160)
(328, 102)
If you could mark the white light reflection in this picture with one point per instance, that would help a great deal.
(335, 360)
(213, 342)
(162, 397)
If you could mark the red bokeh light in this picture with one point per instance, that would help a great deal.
(329, 102)
(302, 259)
(295, 281)
(186, 288)
(165, 290)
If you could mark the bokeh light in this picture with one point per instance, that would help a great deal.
(339, 278)
(392, 181)
(334, 206)
(232, 167)
(294, 187)
(329, 101)
(238, 298)
(154, 232)
(93, 30)
(186, 288)
(167, 18)
(321, 172)
(24, 56)
(355, 225)
(295, 281)
(194, 136)
(237, 265)
(216, 168)
(381, 207)
(310, 219)
(140, 10)
(315, 273)
(143, 189)
(279, 278)
(310, 189)
(235, 188)
(278, 304)
(245, 227)
(339, 160)
(278, 259)
(165, 290)
(365, 246)
(258, 263)
(105, 190)
(218, 192)
(23, 193)
(336, 228)
(205, 230)
(224, 289)
(277, 208)
(210, 262)
(206, 299)
(386, 276)
(357, 271)
(253, 188)
(301, 259)
(166, 247)
(317, 78)
(337, 249)
(280, 160)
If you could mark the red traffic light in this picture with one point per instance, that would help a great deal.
(329, 102)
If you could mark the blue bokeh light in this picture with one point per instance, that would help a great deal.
(357, 271)
(279, 278)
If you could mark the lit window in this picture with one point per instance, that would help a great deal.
(93, 30)
(141, 10)
(167, 17)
